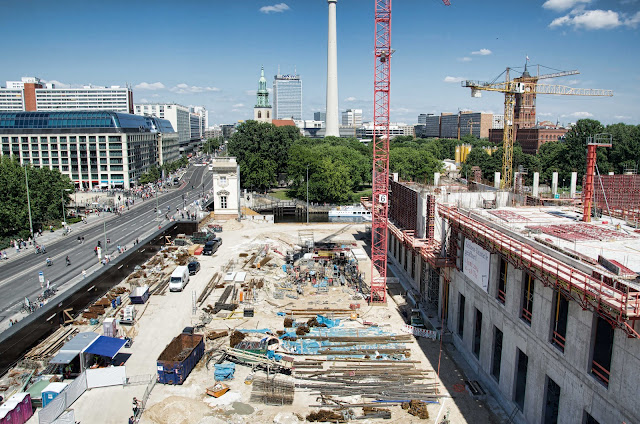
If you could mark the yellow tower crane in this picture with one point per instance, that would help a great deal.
(521, 87)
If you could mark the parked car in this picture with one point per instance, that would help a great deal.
(194, 267)
(211, 247)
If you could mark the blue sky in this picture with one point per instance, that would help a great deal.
(209, 52)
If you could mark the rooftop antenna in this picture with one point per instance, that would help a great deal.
(278, 70)
(295, 70)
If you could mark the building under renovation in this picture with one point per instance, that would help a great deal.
(542, 305)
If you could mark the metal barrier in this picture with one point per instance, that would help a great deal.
(65, 399)
(137, 380)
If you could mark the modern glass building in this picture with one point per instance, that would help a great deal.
(287, 97)
(94, 148)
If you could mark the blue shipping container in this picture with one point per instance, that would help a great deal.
(179, 358)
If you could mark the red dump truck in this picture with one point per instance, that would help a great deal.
(179, 358)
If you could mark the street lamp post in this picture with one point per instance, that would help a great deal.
(26, 179)
(307, 194)
(64, 219)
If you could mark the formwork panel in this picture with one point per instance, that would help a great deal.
(581, 232)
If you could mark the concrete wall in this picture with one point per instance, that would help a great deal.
(580, 391)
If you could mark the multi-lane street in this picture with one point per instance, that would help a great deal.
(19, 277)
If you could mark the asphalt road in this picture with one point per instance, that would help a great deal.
(19, 277)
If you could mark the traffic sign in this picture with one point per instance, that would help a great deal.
(41, 276)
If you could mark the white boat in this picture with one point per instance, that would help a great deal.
(350, 214)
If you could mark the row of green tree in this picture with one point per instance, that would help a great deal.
(568, 155)
(338, 168)
(48, 189)
(154, 173)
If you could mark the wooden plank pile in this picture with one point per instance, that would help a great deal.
(52, 344)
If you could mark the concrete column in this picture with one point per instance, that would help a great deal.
(496, 180)
(536, 184)
(436, 178)
(554, 183)
(332, 125)
(395, 176)
(574, 182)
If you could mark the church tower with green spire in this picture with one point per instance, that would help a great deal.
(262, 110)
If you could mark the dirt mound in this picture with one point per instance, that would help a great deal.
(177, 410)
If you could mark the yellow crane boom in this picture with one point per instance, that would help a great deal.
(521, 86)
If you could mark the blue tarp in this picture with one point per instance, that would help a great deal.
(328, 322)
(224, 371)
(106, 346)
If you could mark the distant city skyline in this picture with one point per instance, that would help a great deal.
(435, 46)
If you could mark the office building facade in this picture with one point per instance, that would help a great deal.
(31, 94)
(178, 115)
(93, 148)
(287, 97)
(320, 116)
(352, 118)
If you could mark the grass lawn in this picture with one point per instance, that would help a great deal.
(280, 194)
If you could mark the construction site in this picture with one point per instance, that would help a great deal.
(461, 302)
(275, 327)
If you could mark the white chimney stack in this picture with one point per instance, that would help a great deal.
(332, 123)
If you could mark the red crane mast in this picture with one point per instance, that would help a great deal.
(380, 192)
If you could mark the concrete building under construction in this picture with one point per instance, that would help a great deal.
(543, 307)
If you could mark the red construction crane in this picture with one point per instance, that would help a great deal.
(380, 195)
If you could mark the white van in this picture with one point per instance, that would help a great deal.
(179, 278)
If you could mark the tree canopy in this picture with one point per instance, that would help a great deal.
(337, 168)
(47, 191)
(568, 155)
(261, 149)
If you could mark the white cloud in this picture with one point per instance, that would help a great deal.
(191, 89)
(149, 86)
(560, 5)
(251, 93)
(276, 8)
(350, 99)
(453, 79)
(633, 21)
(143, 101)
(560, 21)
(596, 19)
(482, 52)
(237, 105)
(580, 115)
(464, 59)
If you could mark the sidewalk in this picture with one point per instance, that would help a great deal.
(48, 237)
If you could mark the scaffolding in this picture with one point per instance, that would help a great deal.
(619, 305)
